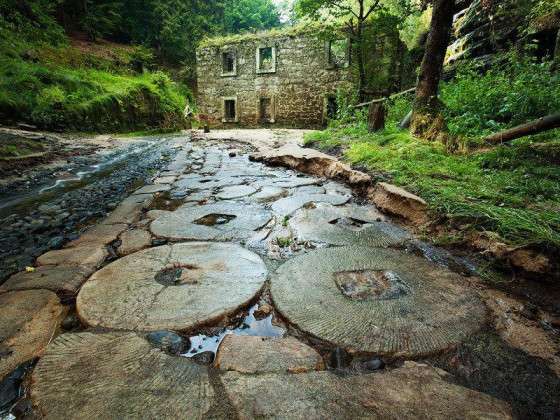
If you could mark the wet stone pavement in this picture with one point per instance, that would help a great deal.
(229, 289)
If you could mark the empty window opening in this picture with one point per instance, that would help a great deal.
(230, 111)
(228, 63)
(265, 110)
(266, 59)
(338, 53)
(332, 108)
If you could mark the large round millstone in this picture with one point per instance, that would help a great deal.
(172, 287)
(116, 376)
(28, 321)
(377, 300)
(223, 221)
(345, 225)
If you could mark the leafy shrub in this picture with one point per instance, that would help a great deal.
(511, 93)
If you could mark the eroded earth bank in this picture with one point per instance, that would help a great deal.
(225, 288)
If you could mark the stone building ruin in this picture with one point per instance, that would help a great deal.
(290, 77)
(272, 79)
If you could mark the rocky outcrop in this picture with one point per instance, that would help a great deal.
(399, 202)
(313, 162)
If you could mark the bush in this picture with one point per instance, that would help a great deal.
(516, 91)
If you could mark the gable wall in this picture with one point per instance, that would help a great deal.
(298, 87)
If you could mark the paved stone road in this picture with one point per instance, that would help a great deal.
(336, 305)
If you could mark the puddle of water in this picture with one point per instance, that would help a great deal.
(250, 326)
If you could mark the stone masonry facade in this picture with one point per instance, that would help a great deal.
(272, 81)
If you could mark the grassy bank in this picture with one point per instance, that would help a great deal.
(59, 84)
(513, 192)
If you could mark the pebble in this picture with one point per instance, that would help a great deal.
(204, 358)
(169, 342)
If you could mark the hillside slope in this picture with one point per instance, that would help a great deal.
(58, 83)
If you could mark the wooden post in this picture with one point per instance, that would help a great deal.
(376, 117)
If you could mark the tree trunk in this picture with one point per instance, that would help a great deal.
(534, 127)
(426, 104)
(556, 58)
(361, 65)
(376, 117)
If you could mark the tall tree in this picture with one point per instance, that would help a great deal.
(355, 15)
(243, 15)
(426, 110)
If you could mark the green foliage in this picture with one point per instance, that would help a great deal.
(516, 91)
(250, 15)
(30, 19)
(513, 191)
(67, 88)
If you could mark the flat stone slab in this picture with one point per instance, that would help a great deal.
(172, 287)
(413, 391)
(63, 280)
(84, 255)
(133, 241)
(377, 300)
(117, 376)
(222, 221)
(130, 210)
(249, 354)
(207, 182)
(235, 191)
(344, 225)
(269, 193)
(152, 189)
(287, 206)
(165, 179)
(100, 234)
(29, 320)
(398, 201)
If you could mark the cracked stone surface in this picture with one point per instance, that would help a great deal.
(248, 354)
(377, 300)
(348, 225)
(410, 392)
(63, 280)
(29, 321)
(222, 221)
(100, 234)
(87, 255)
(133, 241)
(269, 193)
(235, 191)
(117, 375)
(173, 287)
(287, 206)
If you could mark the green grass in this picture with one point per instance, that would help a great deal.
(84, 88)
(512, 191)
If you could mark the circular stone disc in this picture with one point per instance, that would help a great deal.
(117, 376)
(175, 287)
(377, 300)
(348, 225)
(223, 221)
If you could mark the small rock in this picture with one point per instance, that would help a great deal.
(71, 322)
(263, 311)
(204, 358)
(232, 154)
(56, 242)
(373, 364)
(169, 342)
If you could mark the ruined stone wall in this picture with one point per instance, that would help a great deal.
(298, 88)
